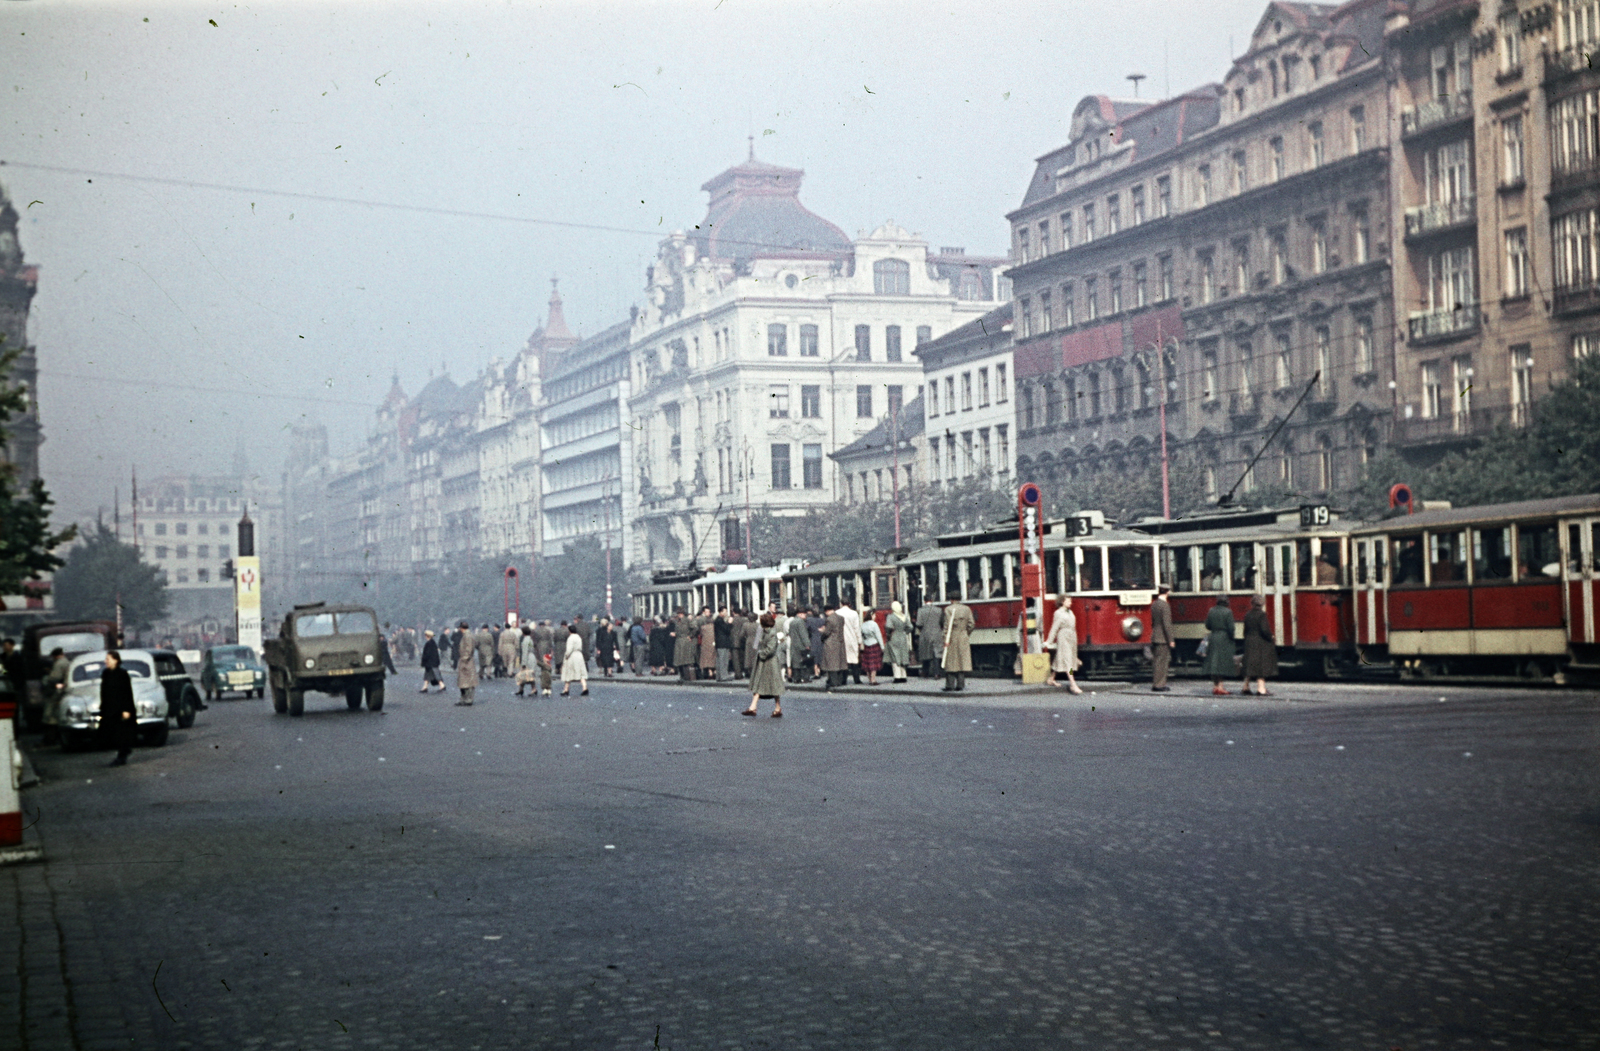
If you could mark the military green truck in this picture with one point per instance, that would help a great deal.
(332, 649)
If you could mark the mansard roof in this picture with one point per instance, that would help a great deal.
(913, 421)
(755, 210)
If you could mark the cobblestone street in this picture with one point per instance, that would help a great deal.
(1336, 867)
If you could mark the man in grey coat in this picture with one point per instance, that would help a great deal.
(930, 639)
(585, 630)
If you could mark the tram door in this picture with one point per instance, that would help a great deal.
(1371, 611)
(1583, 580)
(1279, 594)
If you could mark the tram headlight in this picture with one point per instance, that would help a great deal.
(1132, 629)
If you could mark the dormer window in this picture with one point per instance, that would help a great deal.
(1316, 67)
(1238, 100)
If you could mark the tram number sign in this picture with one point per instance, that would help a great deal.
(1315, 515)
(1080, 525)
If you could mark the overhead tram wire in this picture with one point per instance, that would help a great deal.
(455, 213)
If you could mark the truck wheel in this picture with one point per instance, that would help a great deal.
(158, 736)
(352, 697)
(297, 702)
(185, 713)
(280, 699)
(375, 697)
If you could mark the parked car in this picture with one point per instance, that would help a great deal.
(77, 714)
(232, 669)
(73, 636)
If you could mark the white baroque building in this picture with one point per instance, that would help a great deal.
(770, 341)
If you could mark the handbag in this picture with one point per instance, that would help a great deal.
(1204, 647)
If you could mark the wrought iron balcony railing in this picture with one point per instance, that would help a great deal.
(1439, 324)
(1429, 218)
(1414, 120)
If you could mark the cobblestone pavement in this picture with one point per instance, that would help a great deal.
(1337, 867)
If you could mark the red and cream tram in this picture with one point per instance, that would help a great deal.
(1499, 589)
(1110, 574)
(1295, 558)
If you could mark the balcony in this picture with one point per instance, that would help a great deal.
(1438, 218)
(1444, 324)
(1435, 113)
(1570, 173)
(1449, 428)
(1566, 62)
(1578, 299)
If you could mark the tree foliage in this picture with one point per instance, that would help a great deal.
(102, 571)
(27, 542)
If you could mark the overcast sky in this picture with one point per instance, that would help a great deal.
(612, 114)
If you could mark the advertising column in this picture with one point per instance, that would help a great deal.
(247, 588)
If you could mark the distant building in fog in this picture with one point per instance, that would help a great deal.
(187, 527)
(18, 282)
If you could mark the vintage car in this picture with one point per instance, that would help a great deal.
(74, 637)
(77, 713)
(232, 669)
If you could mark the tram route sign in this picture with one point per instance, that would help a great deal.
(1312, 515)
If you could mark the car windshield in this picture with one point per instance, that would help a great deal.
(232, 653)
(89, 671)
(72, 642)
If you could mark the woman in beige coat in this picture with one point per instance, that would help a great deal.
(574, 666)
(1063, 641)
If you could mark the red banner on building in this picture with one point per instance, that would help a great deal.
(1092, 344)
(1156, 326)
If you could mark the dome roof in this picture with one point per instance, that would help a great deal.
(755, 211)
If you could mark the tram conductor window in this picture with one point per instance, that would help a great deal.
(1408, 560)
(1538, 553)
(1211, 567)
(1491, 554)
(1132, 569)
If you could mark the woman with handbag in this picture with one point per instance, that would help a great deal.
(1063, 642)
(767, 679)
(1219, 646)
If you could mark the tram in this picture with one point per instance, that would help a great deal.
(1110, 574)
(867, 584)
(1498, 589)
(1295, 558)
(737, 587)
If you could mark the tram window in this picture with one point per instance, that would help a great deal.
(1016, 577)
(1491, 554)
(1132, 569)
(1330, 563)
(1538, 556)
(1211, 567)
(1242, 566)
(1052, 572)
(974, 578)
(1377, 561)
(1574, 549)
(1302, 562)
(1362, 547)
(1176, 569)
(1594, 547)
(1447, 558)
(997, 576)
(1091, 572)
(1407, 560)
(887, 592)
(952, 580)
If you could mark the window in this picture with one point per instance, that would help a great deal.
(1516, 263)
(1364, 358)
(968, 464)
(891, 342)
(864, 401)
(950, 393)
(1323, 350)
(1316, 67)
(777, 341)
(778, 402)
(1165, 263)
(1163, 196)
(183, 576)
(1452, 281)
(863, 343)
(1461, 374)
(1114, 285)
(202, 528)
(1585, 343)
(1358, 128)
(1319, 248)
(1439, 72)
(1002, 434)
(1141, 285)
(808, 341)
(1202, 180)
(1208, 278)
(1275, 148)
(1071, 403)
(1001, 395)
(161, 551)
(1241, 267)
(1064, 224)
(202, 551)
(1575, 132)
(1431, 392)
(183, 528)
(1238, 100)
(1521, 383)
(161, 529)
(1362, 248)
(1136, 204)
(1146, 392)
(1511, 151)
(780, 465)
(966, 391)
(933, 398)
(1448, 172)
(1576, 243)
(1317, 152)
(1094, 395)
(182, 551)
(1024, 317)
(1538, 553)
(1245, 369)
(985, 456)
(924, 334)
(1044, 239)
(1030, 395)
(811, 401)
(1491, 554)
(983, 388)
(1088, 222)
(1046, 315)
(1280, 258)
(1283, 371)
(970, 286)
(1067, 314)
(222, 550)
(204, 576)
(1113, 214)
(1324, 469)
(892, 277)
(811, 466)
(1052, 405)
(1579, 24)
(1091, 298)
(1241, 175)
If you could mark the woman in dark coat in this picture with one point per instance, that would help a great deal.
(1260, 648)
(767, 678)
(605, 647)
(1219, 645)
(660, 647)
(430, 664)
(118, 716)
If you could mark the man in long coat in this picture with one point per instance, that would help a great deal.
(833, 661)
(852, 639)
(1162, 641)
(930, 639)
(958, 645)
(737, 633)
(544, 649)
(485, 642)
(467, 668)
(685, 645)
(585, 630)
(508, 652)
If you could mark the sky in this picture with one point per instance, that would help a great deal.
(201, 292)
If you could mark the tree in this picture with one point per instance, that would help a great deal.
(102, 571)
(27, 542)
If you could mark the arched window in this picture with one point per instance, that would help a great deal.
(891, 277)
(1052, 405)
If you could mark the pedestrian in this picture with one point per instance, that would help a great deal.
(55, 680)
(1219, 645)
(852, 638)
(767, 679)
(383, 653)
(561, 630)
(800, 646)
(1162, 641)
(833, 661)
(707, 636)
(871, 649)
(660, 646)
(117, 712)
(814, 625)
(430, 663)
(898, 651)
(639, 640)
(509, 653)
(620, 638)
(1063, 642)
(605, 647)
(1260, 649)
(752, 643)
(527, 662)
(485, 644)
(957, 645)
(722, 640)
(585, 630)
(575, 668)
(685, 645)
(467, 666)
(930, 639)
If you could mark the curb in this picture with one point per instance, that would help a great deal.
(887, 690)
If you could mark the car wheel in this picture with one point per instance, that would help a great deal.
(71, 741)
(158, 736)
(375, 697)
(352, 698)
(185, 714)
(280, 699)
(297, 702)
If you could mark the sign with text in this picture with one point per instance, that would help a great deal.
(247, 601)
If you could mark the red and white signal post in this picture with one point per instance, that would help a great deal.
(1030, 532)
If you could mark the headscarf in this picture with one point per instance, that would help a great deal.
(896, 607)
(1256, 602)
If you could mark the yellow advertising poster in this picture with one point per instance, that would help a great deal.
(247, 601)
